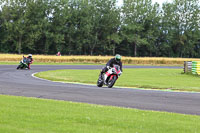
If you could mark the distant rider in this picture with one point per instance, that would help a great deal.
(114, 61)
(58, 54)
(30, 61)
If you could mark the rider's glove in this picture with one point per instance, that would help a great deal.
(119, 74)
(108, 67)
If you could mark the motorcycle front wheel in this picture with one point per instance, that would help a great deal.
(112, 82)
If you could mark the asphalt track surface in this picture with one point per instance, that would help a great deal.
(21, 83)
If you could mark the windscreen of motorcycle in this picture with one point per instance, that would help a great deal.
(117, 67)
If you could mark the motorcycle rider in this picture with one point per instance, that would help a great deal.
(30, 61)
(114, 61)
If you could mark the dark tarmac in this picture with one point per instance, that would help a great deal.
(21, 83)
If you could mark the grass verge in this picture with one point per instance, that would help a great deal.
(32, 115)
(166, 79)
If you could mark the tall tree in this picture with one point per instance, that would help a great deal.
(135, 14)
(105, 22)
(180, 18)
(93, 27)
(1, 29)
(13, 17)
(37, 24)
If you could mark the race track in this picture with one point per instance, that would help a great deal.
(21, 83)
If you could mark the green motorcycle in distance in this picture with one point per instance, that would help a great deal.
(23, 63)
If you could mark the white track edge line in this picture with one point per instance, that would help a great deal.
(33, 75)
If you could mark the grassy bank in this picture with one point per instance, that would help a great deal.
(21, 115)
(97, 59)
(167, 79)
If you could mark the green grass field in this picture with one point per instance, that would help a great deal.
(165, 79)
(32, 115)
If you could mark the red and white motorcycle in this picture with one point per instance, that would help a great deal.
(110, 77)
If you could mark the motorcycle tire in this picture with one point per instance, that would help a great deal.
(18, 67)
(100, 81)
(112, 82)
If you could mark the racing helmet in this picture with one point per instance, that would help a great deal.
(118, 58)
(30, 55)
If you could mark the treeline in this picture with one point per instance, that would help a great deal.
(100, 27)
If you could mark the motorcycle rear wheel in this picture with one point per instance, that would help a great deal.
(18, 67)
(100, 81)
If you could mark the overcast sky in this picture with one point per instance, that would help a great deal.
(159, 1)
